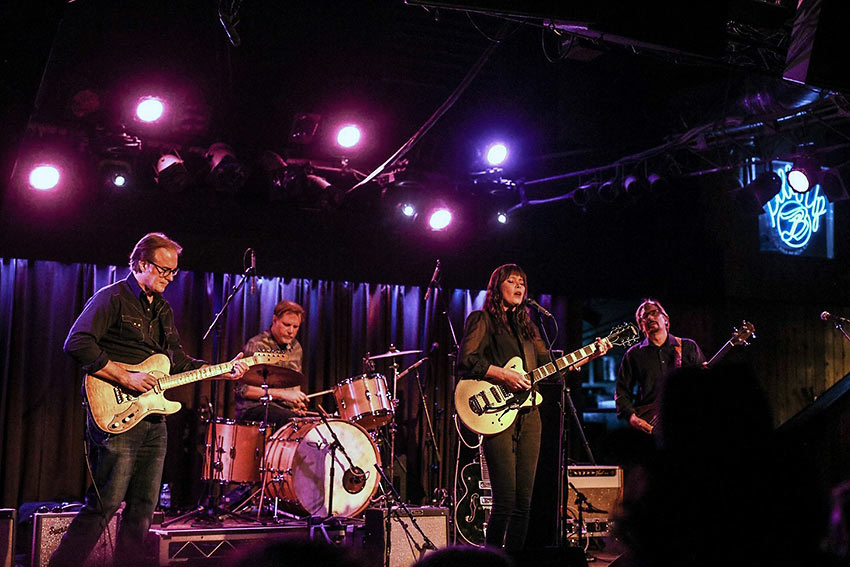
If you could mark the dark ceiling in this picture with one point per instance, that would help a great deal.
(585, 93)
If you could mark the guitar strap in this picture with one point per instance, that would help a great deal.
(677, 352)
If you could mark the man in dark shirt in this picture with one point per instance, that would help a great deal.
(122, 325)
(645, 365)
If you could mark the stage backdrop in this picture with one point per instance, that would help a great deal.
(41, 413)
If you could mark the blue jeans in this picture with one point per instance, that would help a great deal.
(126, 467)
(512, 461)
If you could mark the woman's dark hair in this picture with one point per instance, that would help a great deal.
(493, 302)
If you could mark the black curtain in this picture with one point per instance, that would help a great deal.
(41, 413)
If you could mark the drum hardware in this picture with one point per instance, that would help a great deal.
(274, 376)
(393, 353)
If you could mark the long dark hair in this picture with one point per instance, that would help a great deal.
(493, 302)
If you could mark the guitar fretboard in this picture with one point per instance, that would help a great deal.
(200, 374)
(561, 363)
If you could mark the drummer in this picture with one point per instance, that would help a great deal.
(286, 398)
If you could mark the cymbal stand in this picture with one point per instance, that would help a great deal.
(431, 438)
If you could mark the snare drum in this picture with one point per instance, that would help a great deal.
(365, 400)
(298, 463)
(239, 448)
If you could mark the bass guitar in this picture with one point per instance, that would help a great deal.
(488, 408)
(740, 337)
(115, 409)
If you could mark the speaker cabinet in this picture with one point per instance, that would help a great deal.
(8, 520)
(406, 544)
(602, 486)
(49, 528)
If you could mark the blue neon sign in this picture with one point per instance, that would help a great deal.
(795, 217)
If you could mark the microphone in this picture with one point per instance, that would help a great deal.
(253, 272)
(827, 316)
(433, 281)
(531, 303)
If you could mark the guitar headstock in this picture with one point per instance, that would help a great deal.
(624, 335)
(742, 335)
(268, 356)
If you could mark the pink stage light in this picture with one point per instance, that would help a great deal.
(44, 177)
(440, 219)
(348, 136)
(150, 109)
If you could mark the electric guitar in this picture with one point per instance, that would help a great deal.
(649, 412)
(115, 409)
(473, 507)
(488, 408)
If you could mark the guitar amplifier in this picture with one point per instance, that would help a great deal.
(49, 528)
(603, 488)
(406, 544)
(8, 520)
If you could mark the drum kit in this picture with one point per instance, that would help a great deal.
(317, 465)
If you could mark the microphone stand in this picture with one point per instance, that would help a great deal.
(356, 473)
(426, 542)
(564, 439)
(210, 510)
(839, 326)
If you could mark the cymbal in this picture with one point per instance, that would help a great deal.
(276, 376)
(394, 353)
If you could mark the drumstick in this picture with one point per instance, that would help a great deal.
(322, 393)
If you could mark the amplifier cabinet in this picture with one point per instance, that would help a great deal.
(49, 528)
(603, 488)
(8, 522)
(406, 543)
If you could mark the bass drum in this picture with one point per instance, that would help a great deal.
(298, 463)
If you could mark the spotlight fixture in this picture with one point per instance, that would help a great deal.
(658, 184)
(609, 190)
(804, 175)
(348, 136)
(834, 181)
(501, 217)
(226, 170)
(304, 127)
(114, 172)
(44, 177)
(757, 193)
(581, 195)
(149, 109)
(408, 210)
(171, 173)
(440, 218)
(496, 154)
(635, 186)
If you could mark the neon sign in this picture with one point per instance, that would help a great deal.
(795, 217)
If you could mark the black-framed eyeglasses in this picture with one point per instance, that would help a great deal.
(164, 272)
(647, 314)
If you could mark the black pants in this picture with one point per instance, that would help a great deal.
(512, 461)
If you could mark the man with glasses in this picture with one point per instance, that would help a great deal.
(123, 324)
(645, 365)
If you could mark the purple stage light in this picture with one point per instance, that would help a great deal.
(348, 136)
(497, 153)
(44, 177)
(440, 219)
(149, 109)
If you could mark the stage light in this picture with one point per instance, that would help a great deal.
(114, 172)
(834, 182)
(440, 219)
(119, 180)
(408, 210)
(304, 127)
(758, 192)
(501, 218)
(609, 191)
(581, 195)
(225, 169)
(44, 177)
(171, 173)
(348, 136)
(149, 109)
(496, 153)
(635, 186)
(658, 184)
(798, 179)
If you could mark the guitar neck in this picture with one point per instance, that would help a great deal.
(485, 471)
(565, 361)
(199, 374)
